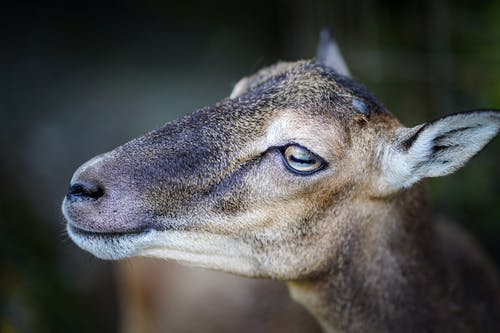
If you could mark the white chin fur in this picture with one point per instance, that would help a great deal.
(192, 248)
(110, 247)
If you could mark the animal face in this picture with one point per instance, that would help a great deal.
(234, 184)
(272, 182)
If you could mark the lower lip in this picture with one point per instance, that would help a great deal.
(86, 233)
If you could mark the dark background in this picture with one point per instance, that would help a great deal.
(78, 78)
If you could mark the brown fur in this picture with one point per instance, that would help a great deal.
(211, 190)
(399, 271)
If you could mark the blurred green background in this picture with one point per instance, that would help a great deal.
(78, 78)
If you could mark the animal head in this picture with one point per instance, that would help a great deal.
(268, 181)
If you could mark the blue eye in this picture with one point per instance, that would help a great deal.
(300, 160)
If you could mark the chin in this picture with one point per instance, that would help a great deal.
(109, 246)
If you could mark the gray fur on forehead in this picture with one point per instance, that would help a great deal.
(309, 84)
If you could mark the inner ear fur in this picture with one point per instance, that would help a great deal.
(436, 148)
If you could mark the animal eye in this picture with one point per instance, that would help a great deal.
(300, 160)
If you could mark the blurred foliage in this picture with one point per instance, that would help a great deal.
(79, 78)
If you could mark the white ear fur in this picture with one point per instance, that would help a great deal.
(329, 54)
(239, 88)
(436, 148)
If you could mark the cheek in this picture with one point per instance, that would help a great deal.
(288, 205)
(279, 200)
(288, 233)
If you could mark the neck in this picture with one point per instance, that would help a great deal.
(379, 279)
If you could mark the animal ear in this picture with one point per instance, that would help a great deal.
(239, 88)
(329, 54)
(437, 148)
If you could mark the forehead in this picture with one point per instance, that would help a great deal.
(284, 96)
(306, 85)
(294, 102)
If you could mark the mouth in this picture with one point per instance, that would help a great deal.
(109, 245)
(93, 231)
(200, 249)
(87, 233)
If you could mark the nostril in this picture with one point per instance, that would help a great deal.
(83, 191)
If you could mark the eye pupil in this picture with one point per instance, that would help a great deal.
(300, 160)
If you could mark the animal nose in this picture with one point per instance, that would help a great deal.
(84, 191)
